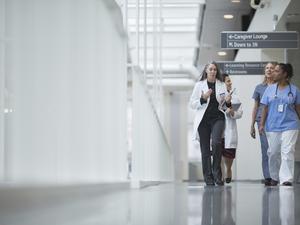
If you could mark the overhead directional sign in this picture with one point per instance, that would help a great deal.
(242, 68)
(240, 40)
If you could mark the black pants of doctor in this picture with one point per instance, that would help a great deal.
(210, 133)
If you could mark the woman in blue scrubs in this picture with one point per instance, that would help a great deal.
(256, 116)
(280, 121)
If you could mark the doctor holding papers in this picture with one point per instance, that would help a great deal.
(230, 134)
(234, 105)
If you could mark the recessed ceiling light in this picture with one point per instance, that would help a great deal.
(228, 16)
(235, 1)
(292, 14)
(222, 53)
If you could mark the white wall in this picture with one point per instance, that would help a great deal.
(65, 91)
(2, 29)
(293, 58)
(248, 159)
(178, 128)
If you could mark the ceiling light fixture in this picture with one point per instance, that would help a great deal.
(292, 15)
(228, 16)
(222, 53)
(235, 1)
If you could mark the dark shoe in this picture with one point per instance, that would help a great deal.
(287, 183)
(268, 181)
(273, 182)
(210, 183)
(209, 180)
(220, 183)
(228, 180)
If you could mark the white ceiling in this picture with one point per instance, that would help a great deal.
(214, 23)
(179, 25)
(181, 22)
(293, 12)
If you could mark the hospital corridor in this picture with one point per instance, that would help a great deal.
(161, 112)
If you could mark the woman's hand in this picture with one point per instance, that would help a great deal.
(252, 132)
(261, 129)
(228, 98)
(206, 95)
(230, 111)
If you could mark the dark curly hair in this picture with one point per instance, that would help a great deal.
(287, 68)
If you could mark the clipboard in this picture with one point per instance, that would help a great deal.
(235, 106)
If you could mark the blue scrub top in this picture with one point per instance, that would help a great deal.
(257, 95)
(282, 114)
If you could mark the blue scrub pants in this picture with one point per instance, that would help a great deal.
(264, 153)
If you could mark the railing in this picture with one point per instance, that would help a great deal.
(152, 158)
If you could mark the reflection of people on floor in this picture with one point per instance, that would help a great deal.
(217, 206)
(278, 206)
(211, 206)
(270, 207)
(287, 206)
(227, 208)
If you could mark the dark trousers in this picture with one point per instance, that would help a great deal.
(210, 133)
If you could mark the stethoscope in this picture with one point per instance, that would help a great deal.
(290, 94)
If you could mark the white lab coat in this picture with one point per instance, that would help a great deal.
(230, 133)
(195, 104)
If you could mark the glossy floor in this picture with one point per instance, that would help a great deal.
(166, 204)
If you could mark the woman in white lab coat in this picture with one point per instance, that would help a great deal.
(209, 121)
(230, 134)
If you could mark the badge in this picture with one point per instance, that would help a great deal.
(280, 108)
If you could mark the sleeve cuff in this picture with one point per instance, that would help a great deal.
(202, 101)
